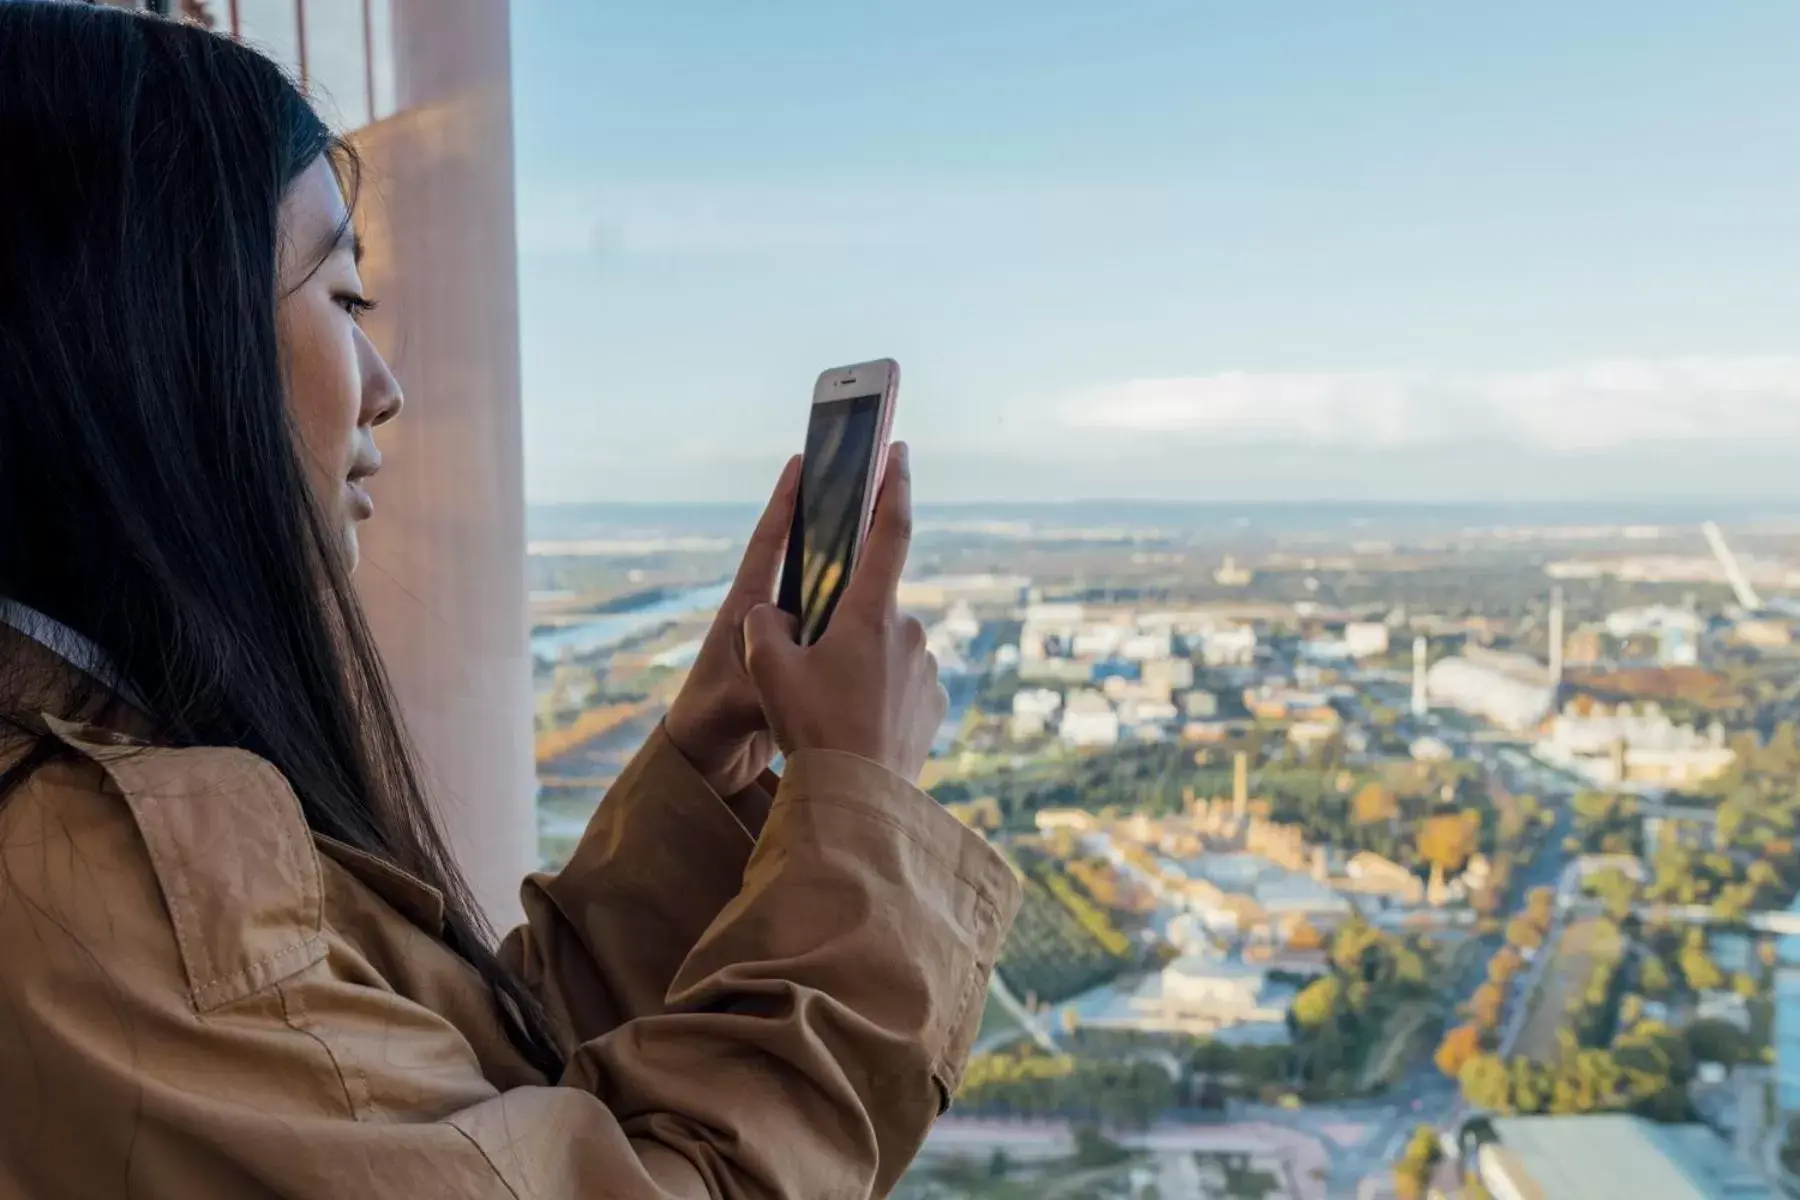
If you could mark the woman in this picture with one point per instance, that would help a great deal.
(236, 958)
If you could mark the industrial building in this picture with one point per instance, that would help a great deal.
(1634, 749)
(1513, 691)
(1604, 1155)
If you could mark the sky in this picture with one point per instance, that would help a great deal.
(1166, 249)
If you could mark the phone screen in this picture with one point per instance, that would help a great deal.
(834, 478)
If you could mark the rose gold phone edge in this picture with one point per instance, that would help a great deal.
(840, 382)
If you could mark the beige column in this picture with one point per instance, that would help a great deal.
(443, 570)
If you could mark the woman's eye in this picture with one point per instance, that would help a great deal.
(357, 306)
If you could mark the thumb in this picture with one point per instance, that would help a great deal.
(771, 641)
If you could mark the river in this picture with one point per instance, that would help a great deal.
(608, 630)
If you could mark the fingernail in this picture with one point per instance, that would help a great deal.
(904, 453)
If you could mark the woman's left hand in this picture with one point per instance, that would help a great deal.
(717, 719)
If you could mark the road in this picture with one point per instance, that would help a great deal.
(1424, 1095)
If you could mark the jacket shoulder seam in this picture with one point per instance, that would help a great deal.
(158, 786)
(296, 1021)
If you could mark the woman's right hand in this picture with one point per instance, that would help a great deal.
(868, 686)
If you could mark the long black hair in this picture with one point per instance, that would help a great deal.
(151, 493)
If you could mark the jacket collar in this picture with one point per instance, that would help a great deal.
(51, 689)
(72, 646)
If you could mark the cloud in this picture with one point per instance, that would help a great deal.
(1579, 408)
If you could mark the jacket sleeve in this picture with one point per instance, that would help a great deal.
(809, 1037)
(661, 857)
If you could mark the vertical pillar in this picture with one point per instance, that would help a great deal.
(1556, 638)
(1421, 697)
(443, 567)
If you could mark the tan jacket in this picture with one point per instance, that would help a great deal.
(200, 999)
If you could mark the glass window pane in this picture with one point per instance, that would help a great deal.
(382, 76)
(337, 75)
(272, 26)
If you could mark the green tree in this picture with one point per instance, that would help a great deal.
(1653, 976)
(1318, 1002)
(1530, 1086)
(1718, 1041)
(1524, 933)
(1458, 1047)
(1485, 1004)
(1540, 902)
(1095, 1149)
(1446, 841)
(1413, 1172)
(1487, 1084)
(1699, 970)
(1373, 805)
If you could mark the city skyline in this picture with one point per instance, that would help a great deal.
(1170, 254)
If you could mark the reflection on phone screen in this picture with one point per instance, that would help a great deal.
(840, 444)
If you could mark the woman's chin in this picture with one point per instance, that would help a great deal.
(352, 548)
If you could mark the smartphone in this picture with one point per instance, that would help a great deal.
(840, 474)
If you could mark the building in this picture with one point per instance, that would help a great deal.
(1049, 630)
(1604, 1155)
(1513, 691)
(1168, 676)
(1054, 670)
(1763, 633)
(1075, 819)
(1032, 711)
(1371, 874)
(1429, 749)
(1214, 989)
(1199, 994)
(1245, 892)
(1140, 711)
(941, 591)
(1146, 647)
(1089, 719)
(1230, 574)
(1633, 748)
(1201, 705)
(1228, 646)
(1584, 647)
(1306, 735)
(1280, 704)
(1366, 639)
(1096, 640)
(1787, 1021)
(1676, 632)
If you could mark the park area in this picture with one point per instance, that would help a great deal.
(1582, 945)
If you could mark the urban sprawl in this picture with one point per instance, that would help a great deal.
(1357, 861)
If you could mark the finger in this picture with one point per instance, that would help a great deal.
(771, 640)
(761, 564)
(877, 576)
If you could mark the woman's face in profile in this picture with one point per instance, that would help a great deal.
(338, 386)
